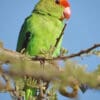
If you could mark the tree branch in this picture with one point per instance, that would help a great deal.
(60, 36)
(78, 54)
(21, 65)
(86, 51)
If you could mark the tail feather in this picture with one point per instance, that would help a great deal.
(30, 93)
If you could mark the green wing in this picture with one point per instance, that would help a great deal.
(24, 37)
(39, 32)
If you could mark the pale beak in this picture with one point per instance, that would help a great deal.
(67, 13)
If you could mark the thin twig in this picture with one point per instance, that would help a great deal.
(15, 55)
(86, 51)
(60, 36)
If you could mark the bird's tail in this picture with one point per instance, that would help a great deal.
(30, 93)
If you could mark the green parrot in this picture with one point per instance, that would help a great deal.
(41, 29)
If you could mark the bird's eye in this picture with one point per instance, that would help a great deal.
(57, 1)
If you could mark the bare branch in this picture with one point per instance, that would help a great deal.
(86, 51)
(60, 36)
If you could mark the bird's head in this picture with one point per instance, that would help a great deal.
(57, 8)
(67, 10)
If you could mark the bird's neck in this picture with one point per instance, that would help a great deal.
(40, 12)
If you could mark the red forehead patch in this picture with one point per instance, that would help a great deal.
(64, 3)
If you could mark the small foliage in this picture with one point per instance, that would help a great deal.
(47, 77)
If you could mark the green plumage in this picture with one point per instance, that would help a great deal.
(44, 27)
(41, 30)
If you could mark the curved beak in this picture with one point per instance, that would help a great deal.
(67, 9)
(67, 13)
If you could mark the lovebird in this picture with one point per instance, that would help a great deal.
(41, 29)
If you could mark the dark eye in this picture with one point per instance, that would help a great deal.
(57, 1)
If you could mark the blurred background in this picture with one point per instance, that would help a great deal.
(83, 30)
